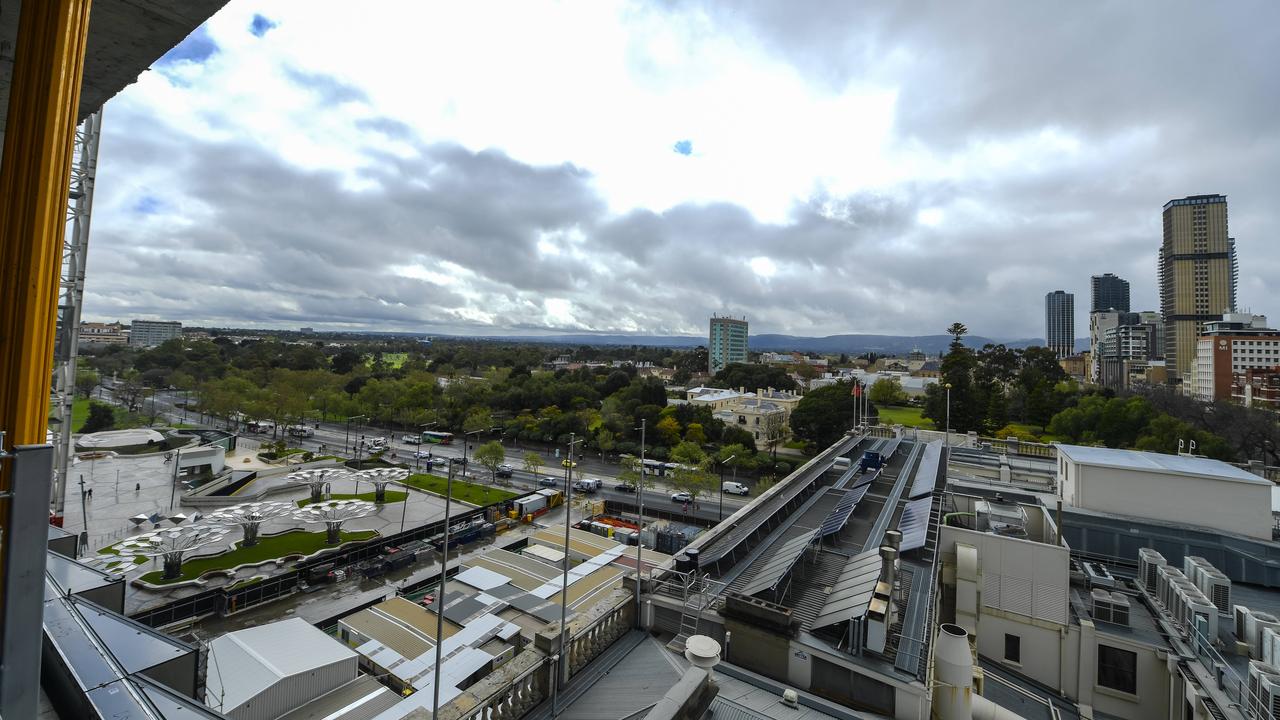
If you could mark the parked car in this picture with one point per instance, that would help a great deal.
(625, 487)
(504, 471)
(549, 482)
(681, 497)
(735, 488)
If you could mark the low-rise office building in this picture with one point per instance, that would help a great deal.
(1232, 345)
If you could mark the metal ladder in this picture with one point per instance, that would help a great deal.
(696, 600)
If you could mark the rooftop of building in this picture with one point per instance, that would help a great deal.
(1196, 200)
(246, 662)
(1189, 465)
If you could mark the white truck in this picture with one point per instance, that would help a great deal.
(586, 485)
(300, 431)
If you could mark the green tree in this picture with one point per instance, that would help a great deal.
(101, 417)
(668, 430)
(691, 473)
(532, 463)
(694, 434)
(888, 391)
(490, 455)
(86, 381)
(753, 377)
(822, 416)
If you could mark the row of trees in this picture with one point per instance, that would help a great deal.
(447, 387)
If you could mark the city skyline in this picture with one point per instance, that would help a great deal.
(820, 175)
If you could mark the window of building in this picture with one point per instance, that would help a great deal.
(1013, 648)
(1118, 669)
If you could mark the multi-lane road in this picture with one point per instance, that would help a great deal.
(344, 440)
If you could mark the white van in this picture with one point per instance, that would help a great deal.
(735, 488)
(587, 485)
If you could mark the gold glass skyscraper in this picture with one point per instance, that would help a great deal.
(1197, 274)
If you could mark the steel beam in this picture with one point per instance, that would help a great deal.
(35, 166)
(25, 540)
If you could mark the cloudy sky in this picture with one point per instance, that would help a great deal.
(819, 167)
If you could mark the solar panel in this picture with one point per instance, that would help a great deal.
(867, 479)
(839, 514)
(851, 594)
(926, 478)
(914, 523)
(779, 564)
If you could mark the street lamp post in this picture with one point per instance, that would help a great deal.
(444, 567)
(735, 478)
(346, 438)
(640, 522)
(564, 581)
(948, 386)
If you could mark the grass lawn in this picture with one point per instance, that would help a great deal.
(393, 496)
(464, 491)
(79, 413)
(296, 542)
(391, 360)
(906, 416)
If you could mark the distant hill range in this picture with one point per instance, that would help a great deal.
(830, 345)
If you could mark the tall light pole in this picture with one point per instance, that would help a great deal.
(735, 477)
(444, 566)
(346, 438)
(948, 443)
(640, 522)
(564, 581)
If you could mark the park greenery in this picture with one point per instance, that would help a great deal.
(505, 391)
(536, 396)
(269, 547)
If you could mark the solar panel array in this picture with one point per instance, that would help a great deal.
(927, 471)
(839, 514)
(914, 523)
(867, 478)
(779, 564)
(851, 594)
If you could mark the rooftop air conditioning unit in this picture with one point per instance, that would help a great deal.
(1264, 690)
(1217, 587)
(1262, 621)
(1199, 609)
(1148, 562)
(1244, 622)
(1270, 646)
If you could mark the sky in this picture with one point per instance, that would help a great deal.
(819, 168)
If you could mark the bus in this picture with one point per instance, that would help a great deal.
(437, 438)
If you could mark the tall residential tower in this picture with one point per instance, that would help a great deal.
(1108, 292)
(1060, 322)
(1197, 275)
(728, 342)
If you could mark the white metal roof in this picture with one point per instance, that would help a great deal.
(1158, 462)
(245, 663)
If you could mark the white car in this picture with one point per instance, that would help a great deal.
(411, 440)
(681, 497)
(423, 454)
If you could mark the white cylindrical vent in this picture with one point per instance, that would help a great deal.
(702, 651)
(893, 539)
(953, 668)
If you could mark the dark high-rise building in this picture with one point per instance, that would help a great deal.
(1060, 322)
(1108, 292)
(1197, 275)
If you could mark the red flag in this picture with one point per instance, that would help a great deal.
(857, 389)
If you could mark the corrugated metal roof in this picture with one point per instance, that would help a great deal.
(244, 663)
(360, 699)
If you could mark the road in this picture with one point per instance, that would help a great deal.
(333, 437)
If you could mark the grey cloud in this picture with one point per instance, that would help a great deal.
(330, 90)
